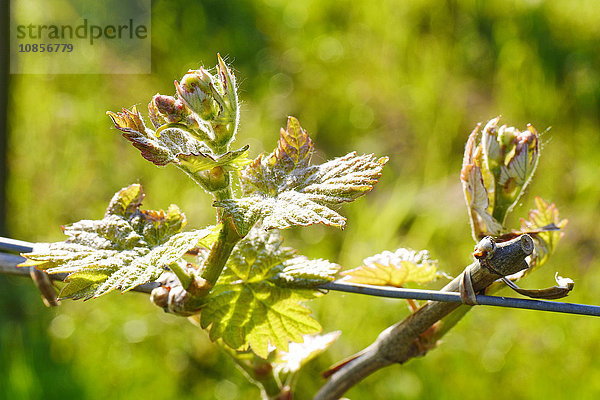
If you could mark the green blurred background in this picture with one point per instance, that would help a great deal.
(404, 79)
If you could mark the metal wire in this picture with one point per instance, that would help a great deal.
(8, 264)
(15, 246)
(496, 301)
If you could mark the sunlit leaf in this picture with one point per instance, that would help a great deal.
(252, 304)
(163, 149)
(151, 265)
(299, 354)
(159, 226)
(83, 284)
(127, 201)
(301, 271)
(545, 226)
(289, 208)
(175, 143)
(127, 248)
(267, 173)
(284, 190)
(395, 269)
(232, 160)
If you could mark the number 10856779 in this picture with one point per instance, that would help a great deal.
(45, 48)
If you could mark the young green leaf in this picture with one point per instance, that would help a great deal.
(292, 155)
(127, 248)
(83, 284)
(287, 209)
(252, 305)
(175, 144)
(152, 264)
(299, 354)
(284, 190)
(174, 141)
(232, 160)
(395, 269)
(127, 201)
(300, 271)
(545, 226)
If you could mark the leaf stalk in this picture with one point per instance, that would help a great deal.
(184, 277)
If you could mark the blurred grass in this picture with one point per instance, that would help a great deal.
(404, 79)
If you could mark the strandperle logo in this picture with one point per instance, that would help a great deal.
(80, 37)
(84, 30)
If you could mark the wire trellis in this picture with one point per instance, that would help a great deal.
(9, 261)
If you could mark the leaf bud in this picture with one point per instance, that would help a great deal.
(169, 108)
(497, 168)
(214, 179)
(227, 85)
(490, 145)
(521, 155)
(197, 90)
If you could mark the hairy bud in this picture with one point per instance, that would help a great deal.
(196, 89)
(498, 165)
